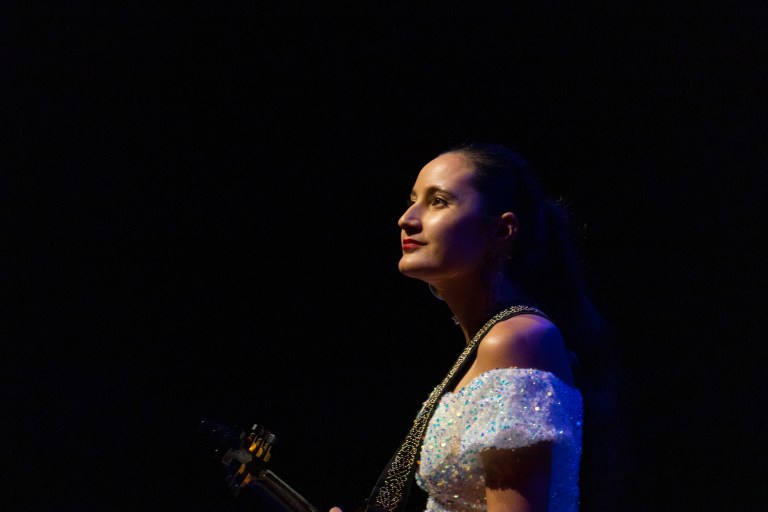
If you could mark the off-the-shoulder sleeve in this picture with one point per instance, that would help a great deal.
(515, 407)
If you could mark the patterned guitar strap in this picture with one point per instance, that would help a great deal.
(391, 491)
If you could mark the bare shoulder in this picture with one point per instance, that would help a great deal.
(524, 341)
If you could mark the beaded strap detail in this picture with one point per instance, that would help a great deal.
(390, 493)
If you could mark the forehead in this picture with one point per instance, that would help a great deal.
(450, 171)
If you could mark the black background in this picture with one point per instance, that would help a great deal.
(200, 206)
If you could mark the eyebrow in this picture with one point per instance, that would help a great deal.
(432, 191)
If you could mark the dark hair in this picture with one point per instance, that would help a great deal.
(545, 263)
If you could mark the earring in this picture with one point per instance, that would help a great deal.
(434, 292)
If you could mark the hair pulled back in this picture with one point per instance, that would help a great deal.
(543, 260)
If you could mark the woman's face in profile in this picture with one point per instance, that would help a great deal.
(444, 232)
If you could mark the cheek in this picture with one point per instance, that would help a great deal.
(464, 243)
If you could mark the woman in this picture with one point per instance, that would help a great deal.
(505, 433)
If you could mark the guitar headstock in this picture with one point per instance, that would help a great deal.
(244, 453)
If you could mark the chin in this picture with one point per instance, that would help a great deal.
(410, 271)
(404, 268)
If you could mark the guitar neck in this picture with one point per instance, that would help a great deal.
(244, 455)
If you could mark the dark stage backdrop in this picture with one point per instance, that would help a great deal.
(199, 221)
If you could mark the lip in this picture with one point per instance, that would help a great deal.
(410, 244)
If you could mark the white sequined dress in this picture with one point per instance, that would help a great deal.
(503, 408)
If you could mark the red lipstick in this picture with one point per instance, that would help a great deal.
(410, 244)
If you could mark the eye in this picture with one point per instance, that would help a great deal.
(438, 201)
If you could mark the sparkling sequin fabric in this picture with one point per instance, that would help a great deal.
(503, 408)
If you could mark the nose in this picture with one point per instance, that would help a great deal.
(409, 220)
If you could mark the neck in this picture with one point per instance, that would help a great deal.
(472, 308)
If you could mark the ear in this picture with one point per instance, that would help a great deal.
(507, 227)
